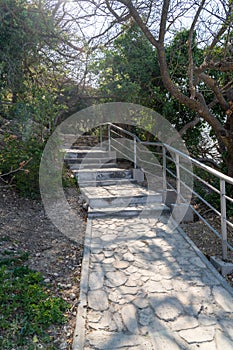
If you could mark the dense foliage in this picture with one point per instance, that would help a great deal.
(45, 72)
(130, 72)
(201, 83)
(28, 308)
(32, 85)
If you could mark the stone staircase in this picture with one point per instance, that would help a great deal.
(109, 189)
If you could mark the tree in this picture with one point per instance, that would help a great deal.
(33, 77)
(37, 59)
(23, 33)
(129, 72)
(209, 25)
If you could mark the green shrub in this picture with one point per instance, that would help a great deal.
(24, 156)
(210, 195)
(27, 307)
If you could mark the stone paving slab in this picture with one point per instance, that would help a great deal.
(146, 286)
(117, 191)
(120, 195)
(133, 210)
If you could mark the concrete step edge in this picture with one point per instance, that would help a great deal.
(104, 170)
(111, 202)
(128, 211)
(92, 166)
(99, 183)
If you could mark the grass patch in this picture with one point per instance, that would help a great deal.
(9, 258)
(28, 308)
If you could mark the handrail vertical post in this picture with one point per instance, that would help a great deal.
(223, 218)
(109, 137)
(164, 169)
(178, 187)
(101, 135)
(135, 152)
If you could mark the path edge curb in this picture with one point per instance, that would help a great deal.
(79, 332)
(221, 279)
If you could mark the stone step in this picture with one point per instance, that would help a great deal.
(105, 183)
(95, 166)
(70, 161)
(153, 210)
(124, 201)
(119, 196)
(84, 175)
(87, 148)
(77, 153)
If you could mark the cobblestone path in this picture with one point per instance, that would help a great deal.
(145, 286)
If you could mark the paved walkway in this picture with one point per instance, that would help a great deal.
(145, 286)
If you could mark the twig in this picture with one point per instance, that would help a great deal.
(13, 171)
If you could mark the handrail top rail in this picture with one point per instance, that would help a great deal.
(125, 131)
(212, 171)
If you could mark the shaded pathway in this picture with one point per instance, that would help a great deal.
(145, 286)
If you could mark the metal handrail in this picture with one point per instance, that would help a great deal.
(177, 162)
(194, 161)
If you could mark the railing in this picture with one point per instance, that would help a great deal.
(176, 168)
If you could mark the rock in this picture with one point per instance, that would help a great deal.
(108, 253)
(223, 298)
(85, 206)
(72, 296)
(131, 283)
(109, 261)
(113, 296)
(184, 322)
(121, 264)
(126, 299)
(97, 300)
(210, 345)
(118, 321)
(96, 280)
(128, 290)
(141, 302)
(146, 316)
(222, 341)
(129, 257)
(116, 278)
(132, 269)
(167, 309)
(108, 238)
(154, 287)
(112, 340)
(129, 317)
(94, 316)
(107, 322)
(198, 334)
(63, 345)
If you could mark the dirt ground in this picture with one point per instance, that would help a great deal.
(207, 241)
(27, 228)
(24, 227)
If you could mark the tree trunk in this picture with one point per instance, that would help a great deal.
(229, 160)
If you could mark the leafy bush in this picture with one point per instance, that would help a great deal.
(24, 156)
(27, 307)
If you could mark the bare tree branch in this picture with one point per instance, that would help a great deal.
(192, 88)
(214, 87)
(189, 125)
(13, 171)
(163, 21)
